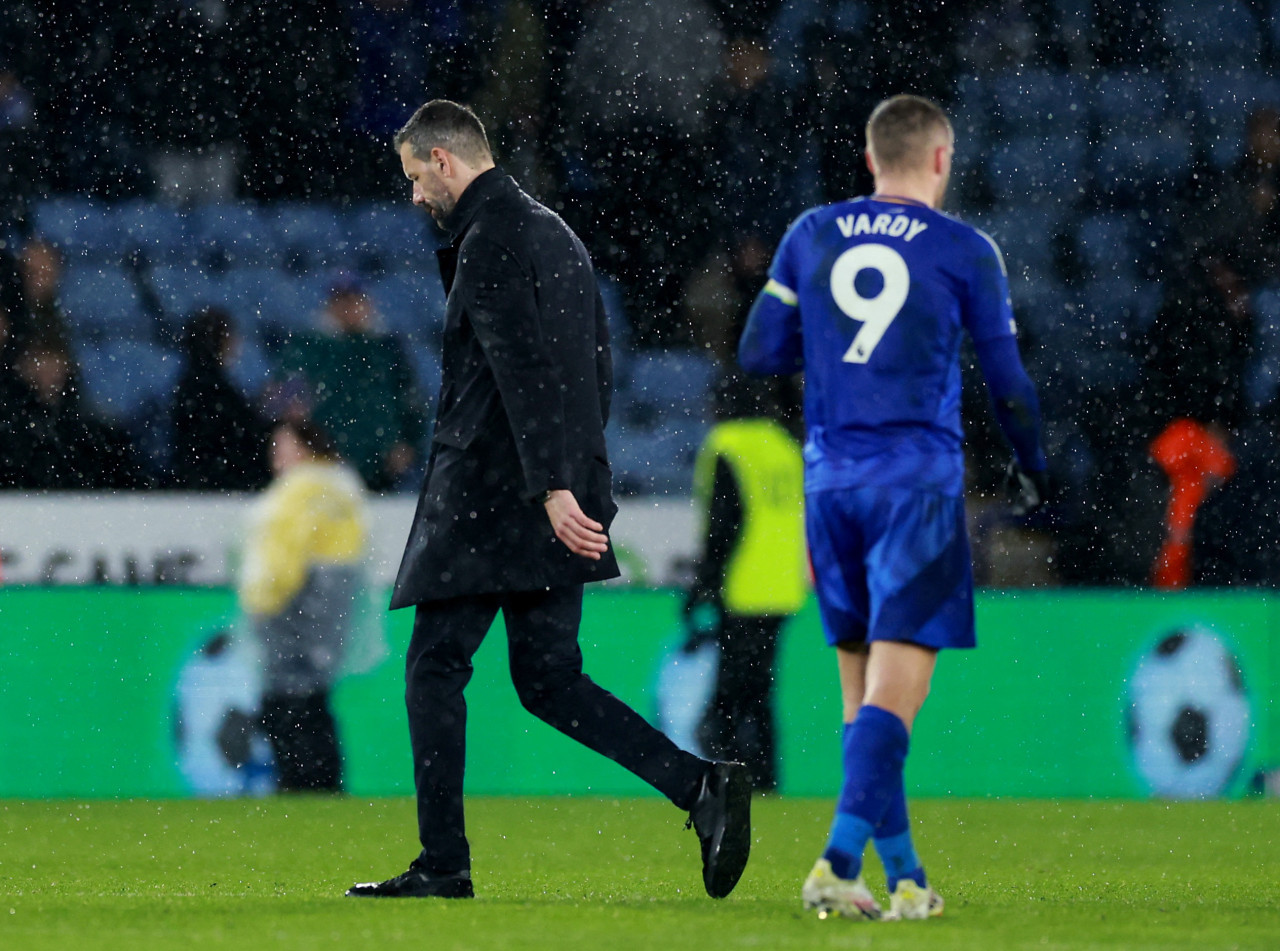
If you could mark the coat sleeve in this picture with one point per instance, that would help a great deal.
(502, 306)
(604, 359)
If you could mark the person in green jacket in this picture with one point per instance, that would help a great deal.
(360, 387)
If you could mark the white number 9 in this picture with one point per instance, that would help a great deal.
(875, 313)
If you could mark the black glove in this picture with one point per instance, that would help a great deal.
(1027, 490)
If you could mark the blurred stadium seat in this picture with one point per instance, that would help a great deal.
(426, 372)
(182, 289)
(654, 461)
(1039, 102)
(383, 238)
(1219, 34)
(234, 234)
(1262, 380)
(1038, 168)
(81, 228)
(121, 377)
(250, 367)
(1026, 236)
(1221, 102)
(1129, 100)
(615, 309)
(155, 231)
(269, 299)
(1117, 309)
(311, 236)
(102, 301)
(669, 383)
(1106, 245)
(971, 120)
(411, 306)
(1134, 168)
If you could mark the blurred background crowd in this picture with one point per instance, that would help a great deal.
(203, 228)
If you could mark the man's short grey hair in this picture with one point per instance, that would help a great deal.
(446, 125)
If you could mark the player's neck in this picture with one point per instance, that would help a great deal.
(905, 190)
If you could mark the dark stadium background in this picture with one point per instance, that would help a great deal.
(1124, 158)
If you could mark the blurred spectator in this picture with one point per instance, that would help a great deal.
(405, 51)
(513, 102)
(639, 84)
(185, 95)
(17, 148)
(299, 583)
(16, 108)
(1242, 215)
(861, 53)
(49, 440)
(751, 135)
(1237, 530)
(73, 63)
(1008, 34)
(219, 440)
(1128, 35)
(1194, 358)
(752, 573)
(295, 62)
(361, 387)
(40, 284)
(562, 23)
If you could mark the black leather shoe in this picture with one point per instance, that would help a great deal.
(721, 816)
(416, 884)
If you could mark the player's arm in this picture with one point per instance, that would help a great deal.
(988, 317)
(771, 342)
(1013, 397)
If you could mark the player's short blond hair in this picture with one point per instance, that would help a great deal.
(903, 129)
(447, 125)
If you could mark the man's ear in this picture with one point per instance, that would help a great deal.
(940, 159)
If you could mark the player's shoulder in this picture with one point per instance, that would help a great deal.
(981, 242)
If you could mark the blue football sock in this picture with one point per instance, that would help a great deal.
(894, 845)
(899, 858)
(875, 748)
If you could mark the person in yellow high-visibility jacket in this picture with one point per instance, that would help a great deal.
(752, 574)
(301, 576)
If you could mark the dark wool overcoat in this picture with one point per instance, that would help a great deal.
(524, 398)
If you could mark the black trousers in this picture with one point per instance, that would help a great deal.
(738, 724)
(304, 740)
(546, 668)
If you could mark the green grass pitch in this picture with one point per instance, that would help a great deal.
(562, 874)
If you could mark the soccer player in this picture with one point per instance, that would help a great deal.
(869, 298)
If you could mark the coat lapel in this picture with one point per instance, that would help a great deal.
(448, 258)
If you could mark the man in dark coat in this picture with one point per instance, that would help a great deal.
(515, 508)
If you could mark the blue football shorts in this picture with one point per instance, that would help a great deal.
(891, 564)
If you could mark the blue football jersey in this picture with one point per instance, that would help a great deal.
(870, 298)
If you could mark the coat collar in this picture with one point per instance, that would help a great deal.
(482, 188)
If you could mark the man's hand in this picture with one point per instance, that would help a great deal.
(582, 535)
(1028, 490)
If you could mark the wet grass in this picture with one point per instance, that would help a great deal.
(597, 873)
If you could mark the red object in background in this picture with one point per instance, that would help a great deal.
(1195, 458)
